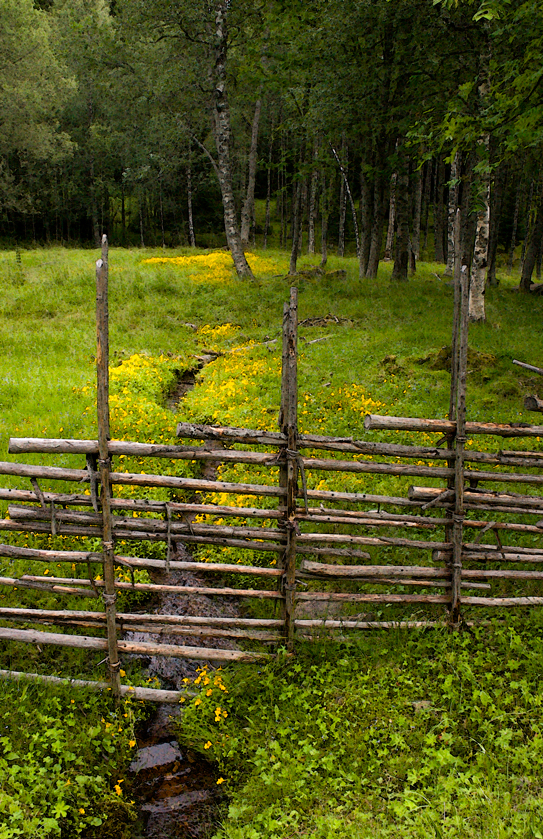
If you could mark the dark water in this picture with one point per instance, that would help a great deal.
(176, 790)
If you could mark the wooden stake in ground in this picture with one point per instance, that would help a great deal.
(288, 422)
(460, 441)
(102, 406)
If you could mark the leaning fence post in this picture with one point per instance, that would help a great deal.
(288, 421)
(102, 406)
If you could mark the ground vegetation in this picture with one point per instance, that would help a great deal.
(449, 724)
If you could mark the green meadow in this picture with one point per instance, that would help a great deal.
(431, 734)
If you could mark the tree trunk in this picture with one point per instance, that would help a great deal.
(343, 163)
(532, 245)
(296, 207)
(324, 222)
(140, 207)
(303, 213)
(192, 238)
(513, 244)
(391, 218)
(222, 140)
(468, 221)
(365, 223)
(439, 225)
(312, 213)
(496, 201)
(401, 258)
(417, 213)
(451, 213)
(480, 253)
(538, 261)
(282, 195)
(351, 201)
(247, 211)
(529, 223)
(123, 216)
(426, 200)
(376, 236)
(268, 191)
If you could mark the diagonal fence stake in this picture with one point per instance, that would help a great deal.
(104, 463)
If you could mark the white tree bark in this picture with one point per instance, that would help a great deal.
(480, 255)
(222, 132)
(451, 215)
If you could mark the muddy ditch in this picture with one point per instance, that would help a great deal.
(176, 790)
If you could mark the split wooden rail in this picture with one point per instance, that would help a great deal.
(453, 538)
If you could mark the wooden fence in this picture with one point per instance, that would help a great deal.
(304, 546)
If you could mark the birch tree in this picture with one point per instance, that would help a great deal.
(198, 40)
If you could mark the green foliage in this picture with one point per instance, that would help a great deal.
(59, 753)
(420, 735)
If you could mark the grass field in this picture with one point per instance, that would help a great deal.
(337, 743)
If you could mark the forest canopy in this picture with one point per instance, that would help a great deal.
(367, 124)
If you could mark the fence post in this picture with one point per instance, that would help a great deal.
(102, 406)
(460, 442)
(288, 423)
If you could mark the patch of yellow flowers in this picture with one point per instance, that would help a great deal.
(215, 267)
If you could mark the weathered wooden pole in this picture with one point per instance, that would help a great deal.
(288, 423)
(460, 442)
(457, 316)
(104, 463)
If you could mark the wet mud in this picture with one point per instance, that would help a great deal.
(176, 790)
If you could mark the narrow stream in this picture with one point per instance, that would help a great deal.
(176, 790)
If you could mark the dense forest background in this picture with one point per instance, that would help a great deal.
(357, 125)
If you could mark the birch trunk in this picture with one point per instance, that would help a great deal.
(247, 211)
(480, 253)
(223, 140)
(351, 201)
(451, 213)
